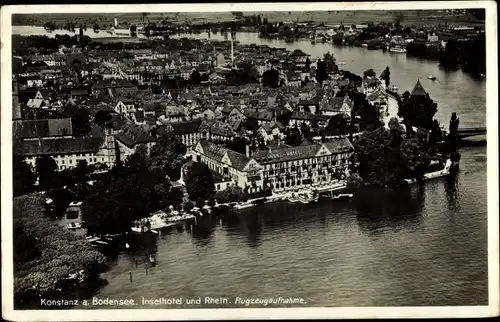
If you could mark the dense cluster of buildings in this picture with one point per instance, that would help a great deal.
(51, 90)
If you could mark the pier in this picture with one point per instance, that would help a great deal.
(466, 132)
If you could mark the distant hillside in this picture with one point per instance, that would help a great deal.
(416, 17)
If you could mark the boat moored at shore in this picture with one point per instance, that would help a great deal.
(445, 171)
(397, 49)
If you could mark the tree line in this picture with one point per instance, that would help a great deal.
(385, 157)
(45, 265)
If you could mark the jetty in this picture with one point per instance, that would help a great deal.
(159, 220)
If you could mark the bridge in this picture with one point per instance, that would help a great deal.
(465, 132)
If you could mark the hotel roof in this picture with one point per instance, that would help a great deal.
(217, 152)
(302, 151)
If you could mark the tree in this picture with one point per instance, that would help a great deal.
(161, 191)
(168, 155)
(23, 176)
(45, 167)
(82, 171)
(61, 198)
(237, 144)
(330, 62)
(231, 194)
(293, 136)
(195, 77)
(369, 115)
(337, 125)
(450, 58)
(102, 117)
(305, 130)
(453, 133)
(44, 256)
(270, 78)
(417, 159)
(130, 192)
(175, 196)
(354, 182)
(188, 205)
(386, 76)
(199, 182)
(417, 111)
(396, 132)
(133, 31)
(81, 122)
(369, 73)
(110, 207)
(384, 158)
(321, 72)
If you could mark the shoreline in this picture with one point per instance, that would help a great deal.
(246, 29)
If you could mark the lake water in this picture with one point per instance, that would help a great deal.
(415, 248)
(410, 248)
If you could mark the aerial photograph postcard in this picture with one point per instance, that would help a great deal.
(286, 159)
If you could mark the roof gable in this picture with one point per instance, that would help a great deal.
(323, 150)
(252, 164)
(226, 159)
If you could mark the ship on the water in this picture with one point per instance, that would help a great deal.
(397, 49)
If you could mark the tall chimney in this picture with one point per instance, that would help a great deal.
(247, 151)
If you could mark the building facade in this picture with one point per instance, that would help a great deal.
(283, 169)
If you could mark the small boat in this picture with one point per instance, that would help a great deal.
(243, 206)
(431, 77)
(136, 229)
(435, 174)
(101, 242)
(342, 196)
(74, 225)
(92, 239)
(293, 198)
(308, 197)
(397, 49)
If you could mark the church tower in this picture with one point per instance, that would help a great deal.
(418, 90)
